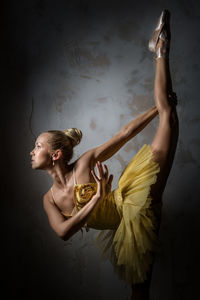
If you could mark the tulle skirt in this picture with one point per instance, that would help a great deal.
(129, 220)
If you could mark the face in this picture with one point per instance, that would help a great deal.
(41, 155)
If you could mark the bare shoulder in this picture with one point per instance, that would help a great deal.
(83, 166)
(86, 160)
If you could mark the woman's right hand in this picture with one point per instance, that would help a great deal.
(103, 180)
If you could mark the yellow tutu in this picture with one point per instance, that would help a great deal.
(127, 219)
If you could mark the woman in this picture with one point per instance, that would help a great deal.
(129, 216)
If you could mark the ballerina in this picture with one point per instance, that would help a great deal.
(128, 217)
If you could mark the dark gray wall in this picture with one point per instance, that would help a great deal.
(86, 64)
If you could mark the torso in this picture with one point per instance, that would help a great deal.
(64, 200)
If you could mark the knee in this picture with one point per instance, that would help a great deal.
(162, 103)
(169, 114)
(165, 116)
(166, 106)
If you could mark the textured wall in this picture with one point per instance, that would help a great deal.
(86, 64)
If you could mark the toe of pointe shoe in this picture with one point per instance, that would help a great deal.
(164, 17)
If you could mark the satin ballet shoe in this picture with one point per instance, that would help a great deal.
(163, 49)
(158, 32)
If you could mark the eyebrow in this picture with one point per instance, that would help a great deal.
(38, 143)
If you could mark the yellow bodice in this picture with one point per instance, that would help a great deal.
(104, 216)
(83, 193)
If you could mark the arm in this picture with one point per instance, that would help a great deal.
(127, 132)
(66, 228)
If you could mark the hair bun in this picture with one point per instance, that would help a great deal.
(74, 134)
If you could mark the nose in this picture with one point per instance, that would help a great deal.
(31, 153)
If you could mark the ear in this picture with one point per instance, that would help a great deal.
(57, 155)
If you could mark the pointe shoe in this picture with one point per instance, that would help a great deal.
(162, 31)
(163, 49)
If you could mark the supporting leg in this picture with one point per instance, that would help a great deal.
(140, 291)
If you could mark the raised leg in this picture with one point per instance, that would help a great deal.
(165, 141)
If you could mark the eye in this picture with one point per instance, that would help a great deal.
(38, 146)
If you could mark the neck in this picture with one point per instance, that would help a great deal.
(60, 174)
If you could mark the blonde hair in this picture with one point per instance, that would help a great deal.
(65, 140)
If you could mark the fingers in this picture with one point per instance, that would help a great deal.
(109, 184)
(100, 169)
(106, 172)
(110, 179)
(102, 173)
(103, 181)
(95, 177)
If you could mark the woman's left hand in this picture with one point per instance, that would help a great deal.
(103, 180)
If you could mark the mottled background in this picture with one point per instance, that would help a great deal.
(86, 64)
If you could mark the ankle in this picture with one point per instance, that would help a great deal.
(162, 53)
(160, 44)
